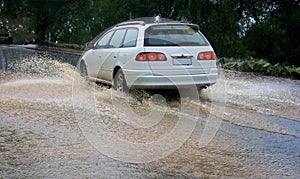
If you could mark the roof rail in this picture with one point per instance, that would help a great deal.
(131, 23)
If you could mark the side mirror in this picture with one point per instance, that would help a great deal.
(90, 45)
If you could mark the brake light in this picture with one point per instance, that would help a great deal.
(141, 57)
(151, 56)
(207, 56)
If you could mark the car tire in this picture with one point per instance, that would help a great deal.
(120, 84)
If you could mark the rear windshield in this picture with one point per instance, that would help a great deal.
(175, 35)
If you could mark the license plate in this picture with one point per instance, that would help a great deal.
(182, 61)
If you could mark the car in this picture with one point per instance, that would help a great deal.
(150, 53)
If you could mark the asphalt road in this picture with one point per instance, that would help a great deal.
(52, 124)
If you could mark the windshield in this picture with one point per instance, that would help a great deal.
(173, 35)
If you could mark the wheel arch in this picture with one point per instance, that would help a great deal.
(116, 69)
(82, 63)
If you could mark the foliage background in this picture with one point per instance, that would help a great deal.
(267, 29)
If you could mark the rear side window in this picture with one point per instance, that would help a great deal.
(116, 40)
(173, 35)
(130, 38)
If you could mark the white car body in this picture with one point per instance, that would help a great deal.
(181, 66)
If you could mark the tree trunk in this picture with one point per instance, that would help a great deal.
(41, 33)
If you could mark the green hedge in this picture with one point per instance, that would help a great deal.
(260, 66)
(67, 45)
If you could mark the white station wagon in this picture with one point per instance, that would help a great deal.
(150, 53)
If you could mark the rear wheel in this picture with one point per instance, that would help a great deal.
(120, 84)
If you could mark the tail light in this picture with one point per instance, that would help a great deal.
(151, 56)
(207, 56)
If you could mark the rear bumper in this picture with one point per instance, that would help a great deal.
(147, 80)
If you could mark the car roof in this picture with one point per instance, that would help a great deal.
(148, 21)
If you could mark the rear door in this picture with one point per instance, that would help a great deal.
(111, 58)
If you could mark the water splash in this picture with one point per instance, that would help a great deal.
(41, 65)
(269, 95)
(35, 99)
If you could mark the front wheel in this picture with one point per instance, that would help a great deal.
(120, 84)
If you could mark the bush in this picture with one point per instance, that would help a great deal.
(260, 66)
(67, 45)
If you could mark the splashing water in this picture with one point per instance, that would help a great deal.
(42, 66)
(37, 109)
(269, 95)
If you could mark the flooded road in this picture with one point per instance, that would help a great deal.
(51, 120)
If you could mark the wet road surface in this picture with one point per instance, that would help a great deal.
(41, 134)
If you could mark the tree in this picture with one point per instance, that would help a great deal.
(267, 28)
(264, 41)
(273, 33)
(288, 17)
(47, 13)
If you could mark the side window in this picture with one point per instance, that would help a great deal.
(104, 40)
(116, 40)
(130, 38)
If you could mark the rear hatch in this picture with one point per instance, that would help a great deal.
(181, 44)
